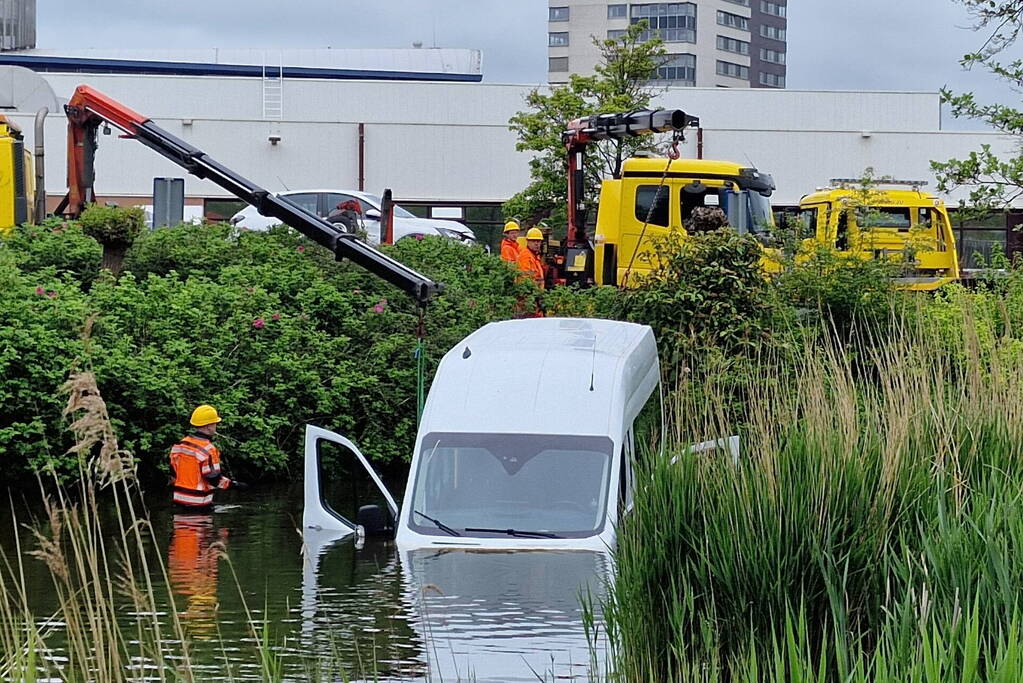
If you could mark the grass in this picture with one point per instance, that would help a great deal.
(871, 530)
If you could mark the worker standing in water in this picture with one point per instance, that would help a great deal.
(510, 242)
(195, 463)
(529, 260)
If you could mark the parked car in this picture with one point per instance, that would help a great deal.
(323, 202)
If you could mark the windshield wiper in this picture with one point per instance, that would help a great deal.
(514, 532)
(440, 525)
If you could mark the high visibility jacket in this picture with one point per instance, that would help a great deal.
(195, 462)
(509, 250)
(531, 265)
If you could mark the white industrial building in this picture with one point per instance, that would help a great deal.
(443, 143)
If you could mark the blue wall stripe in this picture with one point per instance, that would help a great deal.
(131, 66)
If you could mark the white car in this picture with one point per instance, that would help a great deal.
(322, 202)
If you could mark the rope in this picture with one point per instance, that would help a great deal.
(673, 154)
(420, 367)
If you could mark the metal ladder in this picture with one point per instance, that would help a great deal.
(273, 90)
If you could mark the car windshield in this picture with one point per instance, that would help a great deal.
(526, 483)
(398, 211)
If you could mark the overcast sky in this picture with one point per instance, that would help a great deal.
(832, 44)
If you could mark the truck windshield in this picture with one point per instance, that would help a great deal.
(528, 483)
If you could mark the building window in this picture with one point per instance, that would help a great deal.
(772, 8)
(772, 32)
(617, 11)
(733, 70)
(672, 22)
(615, 33)
(740, 47)
(744, 3)
(557, 39)
(558, 14)
(771, 80)
(679, 70)
(773, 56)
(733, 20)
(557, 64)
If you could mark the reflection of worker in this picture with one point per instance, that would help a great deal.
(195, 462)
(192, 569)
(529, 258)
(510, 242)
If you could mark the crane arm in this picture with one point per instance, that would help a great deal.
(89, 109)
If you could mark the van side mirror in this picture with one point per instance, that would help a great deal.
(375, 520)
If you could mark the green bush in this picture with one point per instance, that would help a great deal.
(57, 247)
(112, 224)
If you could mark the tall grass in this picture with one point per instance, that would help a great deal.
(870, 531)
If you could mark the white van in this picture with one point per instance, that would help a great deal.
(526, 441)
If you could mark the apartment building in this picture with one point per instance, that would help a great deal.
(723, 43)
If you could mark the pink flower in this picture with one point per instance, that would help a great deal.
(259, 323)
(52, 295)
(275, 317)
(300, 248)
(379, 308)
(40, 291)
(419, 238)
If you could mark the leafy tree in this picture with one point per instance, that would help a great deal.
(621, 83)
(994, 182)
(114, 228)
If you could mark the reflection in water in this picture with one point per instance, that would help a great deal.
(192, 563)
(365, 612)
(477, 615)
(491, 615)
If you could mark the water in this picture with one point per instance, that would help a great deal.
(422, 615)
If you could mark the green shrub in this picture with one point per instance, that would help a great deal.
(57, 247)
(115, 228)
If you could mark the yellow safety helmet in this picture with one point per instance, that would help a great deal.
(512, 225)
(534, 234)
(204, 415)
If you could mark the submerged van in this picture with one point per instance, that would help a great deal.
(526, 441)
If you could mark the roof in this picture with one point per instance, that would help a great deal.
(882, 197)
(544, 376)
(427, 64)
(658, 164)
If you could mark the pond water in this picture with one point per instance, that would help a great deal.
(378, 613)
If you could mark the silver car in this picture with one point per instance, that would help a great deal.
(324, 202)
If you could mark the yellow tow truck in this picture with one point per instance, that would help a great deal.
(891, 219)
(17, 178)
(653, 196)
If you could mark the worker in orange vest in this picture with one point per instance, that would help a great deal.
(510, 242)
(529, 258)
(195, 463)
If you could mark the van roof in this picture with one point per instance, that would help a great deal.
(885, 197)
(533, 376)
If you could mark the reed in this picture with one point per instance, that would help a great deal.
(870, 529)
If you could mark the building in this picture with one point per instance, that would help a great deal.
(17, 24)
(710, 43)
(443, 146)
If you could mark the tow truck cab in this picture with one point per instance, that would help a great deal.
(526, 441)
(621, 240)
(884, 223)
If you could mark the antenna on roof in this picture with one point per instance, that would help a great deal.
(593, 360)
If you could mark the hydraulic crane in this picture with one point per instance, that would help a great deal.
(89, 109)
(575, 263)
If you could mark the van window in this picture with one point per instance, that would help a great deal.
(657, 196)
(806, 226)
(307, 200)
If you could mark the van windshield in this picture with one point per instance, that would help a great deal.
(398, 211)
(523, 482)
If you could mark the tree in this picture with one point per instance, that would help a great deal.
(621, 82)
(994, 182)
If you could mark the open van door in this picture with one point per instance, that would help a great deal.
(316, 512)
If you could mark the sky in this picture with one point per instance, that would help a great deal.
(832, 44)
